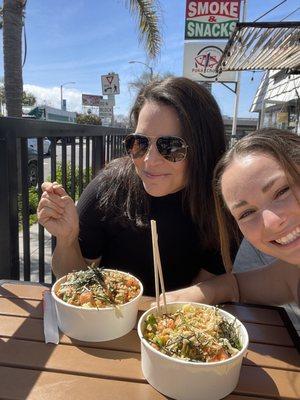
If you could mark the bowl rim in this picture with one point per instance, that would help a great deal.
(95, 309)
(193, 363)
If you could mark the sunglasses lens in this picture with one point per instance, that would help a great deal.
(172, 148)
(136, 145)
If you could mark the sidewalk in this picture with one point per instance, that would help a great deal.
(34, 254)
(292, 309)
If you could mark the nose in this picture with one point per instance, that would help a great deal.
(152, 156)
(273, 221)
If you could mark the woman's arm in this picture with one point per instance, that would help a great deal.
(58, 214)
(277, 283)
(67, 257)
(219, 289)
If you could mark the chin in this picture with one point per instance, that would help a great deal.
(156, 192)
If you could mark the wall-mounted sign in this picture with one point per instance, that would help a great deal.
(91, 100)
(110, 84)
(105, 108)
(201, 60)
(211, 19)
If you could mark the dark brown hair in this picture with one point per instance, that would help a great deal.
(203, 130)
(283, 146)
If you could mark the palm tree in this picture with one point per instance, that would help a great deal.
(12, 53)
(146, 12)
(145, 78)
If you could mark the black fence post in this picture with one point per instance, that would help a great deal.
(9, 233)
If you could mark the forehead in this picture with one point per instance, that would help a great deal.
(248, 175)
(158, 119)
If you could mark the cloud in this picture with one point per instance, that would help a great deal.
(51, 96)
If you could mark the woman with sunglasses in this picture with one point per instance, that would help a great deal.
(257, 189)
(178, 137)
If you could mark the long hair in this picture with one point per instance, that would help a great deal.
(281, 145)
(203, 130)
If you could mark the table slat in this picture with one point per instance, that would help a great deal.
(272, 356)
(244, 313)
(126, 366)
(37, 385)
(22, 308)
(24, 290)
(30, 328)
(269, 382)
(71, 359)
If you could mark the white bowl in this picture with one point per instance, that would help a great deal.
(187, 380)
(92, 324)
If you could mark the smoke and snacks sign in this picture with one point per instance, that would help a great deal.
(211, 19)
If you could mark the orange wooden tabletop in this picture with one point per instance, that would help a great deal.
(31, 369)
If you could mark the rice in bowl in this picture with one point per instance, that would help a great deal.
(98, 288)
(187, 361)
(97, 304)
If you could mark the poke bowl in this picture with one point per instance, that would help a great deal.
(97, 304)
(193, 351)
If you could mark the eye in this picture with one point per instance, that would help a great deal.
(245, 214)
(281, 192)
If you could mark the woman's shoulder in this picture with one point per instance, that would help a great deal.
(112, 174)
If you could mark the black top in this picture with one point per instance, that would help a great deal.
(129, 248)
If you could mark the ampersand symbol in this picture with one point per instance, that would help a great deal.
(212, 19)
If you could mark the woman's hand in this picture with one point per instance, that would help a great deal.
(57, 213)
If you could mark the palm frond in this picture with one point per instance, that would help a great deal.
(148, 14)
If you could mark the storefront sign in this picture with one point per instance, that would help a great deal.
(91, 100)
(211, 19)
(201, 60)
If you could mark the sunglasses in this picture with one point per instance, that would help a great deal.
(172, 148)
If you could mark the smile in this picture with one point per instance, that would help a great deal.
(154, 176)
(290, 237)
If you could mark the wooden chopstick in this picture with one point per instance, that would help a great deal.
(158, 274)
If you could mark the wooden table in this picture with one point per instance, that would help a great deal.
(31, 369)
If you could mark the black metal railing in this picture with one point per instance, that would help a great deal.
(78, 152)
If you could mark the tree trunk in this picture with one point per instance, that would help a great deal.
(12, 52)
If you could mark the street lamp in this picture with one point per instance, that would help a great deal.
(61, 93)
(146, 65)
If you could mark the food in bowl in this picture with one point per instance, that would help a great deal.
(98, 288)
(97, 304)
(184, 376)
(198, 334)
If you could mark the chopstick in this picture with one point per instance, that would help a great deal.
(158, 274)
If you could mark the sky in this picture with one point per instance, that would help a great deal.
(80, 40)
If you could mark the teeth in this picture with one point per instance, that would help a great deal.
(290, 237)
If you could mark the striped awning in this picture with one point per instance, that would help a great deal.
(263, 46)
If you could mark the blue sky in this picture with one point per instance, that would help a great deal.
(80, 40)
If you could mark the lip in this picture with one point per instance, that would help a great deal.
(284, 233)
(151, 175)
(287, 246)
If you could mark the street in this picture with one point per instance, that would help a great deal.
(47, 159)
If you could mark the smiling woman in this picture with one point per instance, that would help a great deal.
(257, 188)
(178, 137)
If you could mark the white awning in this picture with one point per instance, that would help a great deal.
(263, 46)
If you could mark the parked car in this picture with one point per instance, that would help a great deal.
(32, 167)
(47, 145)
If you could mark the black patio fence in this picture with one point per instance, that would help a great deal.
(78, 152)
